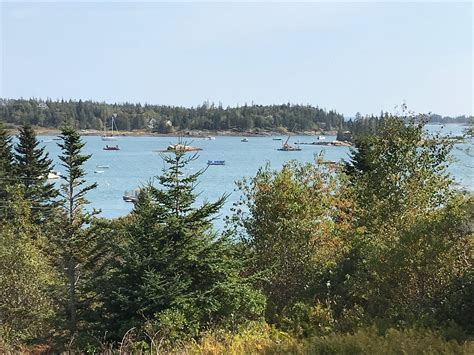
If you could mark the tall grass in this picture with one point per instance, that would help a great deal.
(266, 340)
(261, 338)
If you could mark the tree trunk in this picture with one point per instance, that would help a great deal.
(72, 303)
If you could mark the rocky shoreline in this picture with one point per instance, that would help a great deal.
(40, 131)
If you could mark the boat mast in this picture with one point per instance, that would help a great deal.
(113, 123)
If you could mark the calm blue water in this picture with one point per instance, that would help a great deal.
(136, 163)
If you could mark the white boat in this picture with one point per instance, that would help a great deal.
(103, 166)
(210, 138)
(109, 136)
(53, 175)
(244, 140)
(99, 171)
(131, 196)
(320, 138)
(216, 162)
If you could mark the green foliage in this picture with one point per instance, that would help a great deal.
(74, 241)
(7, 176)
(32, 166)
(91, 115)
(410, 228)
(262, 339)
(370, 341)
(26, 305)
(293, 222)
(371, 257)
(171, 261)
(304, 320)
(469, 131)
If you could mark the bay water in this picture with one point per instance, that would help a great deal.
(137, 162)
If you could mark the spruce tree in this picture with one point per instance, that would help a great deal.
(74, 240)
(170, 260)
(32, 166)
(360, 158)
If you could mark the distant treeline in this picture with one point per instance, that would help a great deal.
(208, 116)
(434, 118)
(165, 119)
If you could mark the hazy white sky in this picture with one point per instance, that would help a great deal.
(347, 56)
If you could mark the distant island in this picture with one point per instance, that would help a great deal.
(130, 118)
(168, 119)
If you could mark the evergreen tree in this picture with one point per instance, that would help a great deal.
(360, 158)
(74, 240)
(32, 166)
(171, 261)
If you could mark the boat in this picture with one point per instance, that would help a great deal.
(107, 147)
(131, 196)
(276, 139)
(103, 166)
(289, 148)
(216, 162)
(244, 140)
(210, 138)
(109, 136)
(53, 175)
(46, 141)
(98, 171)
(320, 138)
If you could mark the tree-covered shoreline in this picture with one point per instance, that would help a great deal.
(164, 118)
(90, 115)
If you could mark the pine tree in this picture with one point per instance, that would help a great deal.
(360, 159)
(74, 242)
(171, 261)
(32, 166)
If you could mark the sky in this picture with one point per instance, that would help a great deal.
(347, 56)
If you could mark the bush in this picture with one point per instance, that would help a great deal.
(263, 339)
(303, 320)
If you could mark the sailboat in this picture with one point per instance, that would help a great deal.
(109, 136)
(289, 148)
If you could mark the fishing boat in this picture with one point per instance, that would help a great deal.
(289, 148)
(216, 162)
(107, 147)
(131, 196)
(244, 140)
(109, 136)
